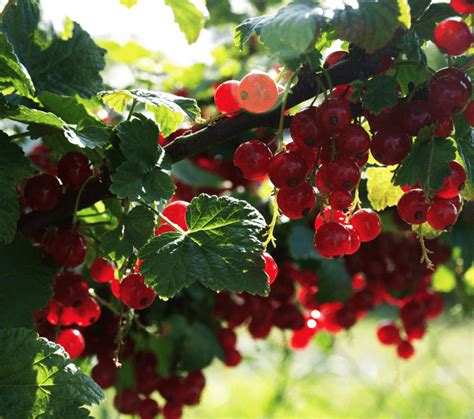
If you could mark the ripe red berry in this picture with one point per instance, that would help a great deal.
(444, 127)
(225, 97)
(343, 174)
(287, 169)
(345, 317)
(148, 409)
(413, 313)
(405, 349)
(331, 240)
(447, 96)
(70, 288)
(68, 248)
(334, 115)
(456, 201)
(42, 192)
(105, 373)
(134, 293)
(433, 303)
(297, 202)
(253, 159)
(415, 115)
(470, 113)
(257, 92)
(127, 401)
(72, 341)
(74, 169)
(87, 312)
(327, 215)
(102, 271)
(227, 338)
(305, 131)
(271, 267)
(115, 288)
(452, 36)
(232, 357)
(412, 207)
(463, 6)
(353, 141)
(442, 214)
(367, 223)
(340, 200)
(321, 180)
(176, 213)
(454, 183)
(390, 146)
(454, 73)
(355, 240)
(388, 333)
(334, 58)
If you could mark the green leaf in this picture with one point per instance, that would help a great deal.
(188, 17)
(372, 25)
(139, 223)
(37, 379)
(199, 347)
(300, 243)
(409, 74)
(129, 3)
(68, 108)
(444, 279)
(169, 110)
(380, 92)
(381, 192)
(245, 30)
(427, 22)
(428, 162)
(418, 7)
(413, 48)
(25, 287)
(188, 172)
(464, 138)
(12, 73)
(221, 249)
(128, 53)
(9, 211)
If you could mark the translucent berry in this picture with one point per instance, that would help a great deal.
(257, 93)
(135, 293)
(271, 268)
(405, 350)
(87, 312)
(388, 333)
(72, 341)
(68, 248)
(343, 174)
(353, 141)
(447, 96)
(74, 169)
(340, 200)
(287, 169)
(70, 288)
(331, 240)
(225, 97)
(42, 192)
(463, 6)
(444, 127)
(176, 213)
(412, 207)
(304, 129)
(253, 159)
(102, 271)
(327, 215)
(367, 223)
(355, 240)
(452, 36)
(415, 115)
(390, 146)
(454, 183)
(334, 115)
(297, 202)
(442, 215)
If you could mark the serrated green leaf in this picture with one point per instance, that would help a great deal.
(87, 136)
(169, 110)
(68, 108)
(9, 211)
(37, 379)
(409, 74)
(157, 185)
(372, 25)
(139, 223)
(199, 347)
(221, 249)
(13, 75)
(418, 7)
(428, 162)
(188, 17)
(427, 22)
(245, 30)
(413, 48)
(464, 138)
(381, 191)
(25, 287)
(380, 93)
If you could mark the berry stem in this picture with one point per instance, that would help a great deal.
(20, 135)
(283, 108)
(329, 80)
(271, 227)
(164, 217)
(132, 109)
(424, 250)
(78, 198)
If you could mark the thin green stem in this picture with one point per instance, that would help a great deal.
(132, 109)
(20, 135)
(78, 198)
(161, 215)
(283, 109)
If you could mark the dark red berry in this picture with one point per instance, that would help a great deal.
(271, 267)
(68, 248)
(334, 115)
(367, 223)
(390, 146)
(127, 401)
(148, 409)
(334, 58)
(135, 293)
(353, 141)
(405, 349)
(287, 169)
(343, 174)
(412, 207)
(102, 271)
(297, 202)
(305, 131)
(413, 313)
(441, 215)
(363, 300)
(388, 333)
(232, 357)
(447, 96)
(72, 341)
(444, 127)
(227, 338)
(454, 183)
(105, 373)
(253, 159)
(331, 240)
(74, 169)
(415, 115)
(456, 74)
(452, 36)
(346, 317)
(69, 288)
(42, 192)
(340, 200)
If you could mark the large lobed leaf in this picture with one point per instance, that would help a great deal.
(37, 379)
(188, 17)
(221, 249)
(381, 191)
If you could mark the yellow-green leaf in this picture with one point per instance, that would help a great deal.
(129, 3)
(117, 99)
(382, 193)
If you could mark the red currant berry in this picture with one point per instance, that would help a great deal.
(332, 239)
(42, 192)
(413, 313)
(334, 58)
(454, 73)
(367, 223)
(134, 293)
(127, 401)
(74, 169)
(257, 93)
(441, 215)
(105, 373)
(334, 115)
(363, 300)
(232, 357)
(353, 141)
(454, 183)
(225, 97)
(412, 207)
(433, 303)
(447, 96)
(72, 341)
(115, 288)
(345, 317)
(355, 240)
(305, 131)
(456, 201)
(415, 115)
(176, 213)
(164, 228)
(470, 113)
(227, 338)
(321, 180)
(444, 127)
(343, 174)
(297, 202)
(388, 333)
(271, 267)
(340, 200)
(40, 155)
(452, 36)
(102, 271)
(87, 312)
(405, 350)
(253, 159)
(415, 332)
(148, 409)
(301, 338)
(327, 215)
(390, 146)
(70, 288)
(287, 169)
(463, 6)
(68, 248)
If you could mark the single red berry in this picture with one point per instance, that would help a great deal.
(40, 156)
(433, 302)
(74, 169)
(127, 401)
(68, 315)
(412, 207)
(447, 96)
(470, 113)
(415, 332)
(415, 115)
(309, 153)
(388, 333)
(232, 357)
(115, 288)
(334, 58)
(343, 174)
(105, 373)
(441, 215)
(346, 317)
(225, 97)
(331, 240)
(353, 141)
(70, 288)
(456, 201)
(340, 200)
(367, 223)
(257, 92)
(162, 229)
(334, 115)
(172, 410)
(301, 338)
(363, 300)
(463, 6)
(305, 131)
(271, 267)
(253, 159)
(390, 146)
(355, 240)
(413, 313)
(452, 36)
(297, 202)
(444, 127)
(454, 183)
(87, 312)
(68, 248)
(287, 169)
(227, 338)
(148, 409)
(102, 271)
(327, 215)
(42, 192)
(135, 293)
(176, 213)
(321, 180)
(405, 349)
(72, 341)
